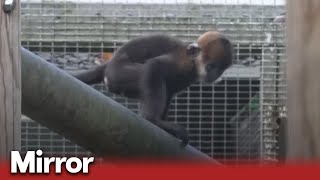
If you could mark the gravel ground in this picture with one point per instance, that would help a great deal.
(82, 61)
(71, 61)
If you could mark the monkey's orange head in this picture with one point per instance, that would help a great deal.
(215, 56)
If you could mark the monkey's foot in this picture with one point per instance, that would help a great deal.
(176, 130)
(182, 134)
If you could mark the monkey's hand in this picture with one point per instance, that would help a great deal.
(176, 130)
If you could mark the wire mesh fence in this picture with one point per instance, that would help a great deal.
(234, 120)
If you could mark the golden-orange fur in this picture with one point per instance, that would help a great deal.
(106, 56)
(211, 47)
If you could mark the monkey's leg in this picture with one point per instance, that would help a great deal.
(155, 110)
(164, 115)
(123, 79)
(170, 127)
(155, 100)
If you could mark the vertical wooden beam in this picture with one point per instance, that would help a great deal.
(303, 131)
(10, 80)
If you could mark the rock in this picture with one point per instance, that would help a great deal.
(61, 60)
(46, 56)
(73, 59)
(83, 57)
(91, 58)
(81, 65)
(58, 55)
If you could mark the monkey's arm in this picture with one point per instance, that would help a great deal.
(155, 97)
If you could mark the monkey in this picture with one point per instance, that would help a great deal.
(154, 68)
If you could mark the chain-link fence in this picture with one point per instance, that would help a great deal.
(237, 119)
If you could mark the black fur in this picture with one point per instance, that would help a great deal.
(152, 69)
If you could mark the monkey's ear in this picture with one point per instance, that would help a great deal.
(193, 49)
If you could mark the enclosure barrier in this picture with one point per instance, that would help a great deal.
(10, 88)
(73, 109)
(303, 126)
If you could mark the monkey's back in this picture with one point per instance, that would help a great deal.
(141, 49)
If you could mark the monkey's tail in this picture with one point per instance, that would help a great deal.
(92, 76)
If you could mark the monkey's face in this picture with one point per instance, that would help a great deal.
(215, 56)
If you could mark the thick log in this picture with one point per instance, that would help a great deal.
(75, 110)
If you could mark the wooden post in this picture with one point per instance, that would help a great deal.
(10, 80)
(303, 131)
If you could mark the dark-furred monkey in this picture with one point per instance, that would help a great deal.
(153, 68)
